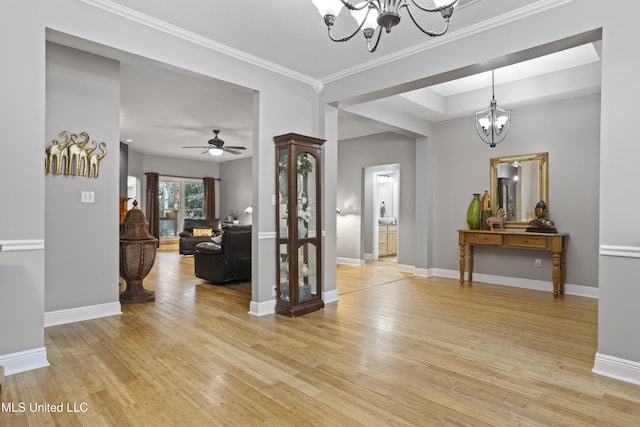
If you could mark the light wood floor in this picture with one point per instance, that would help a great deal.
(395, 350)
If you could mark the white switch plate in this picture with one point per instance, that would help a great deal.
(87, 197)
(537, 263)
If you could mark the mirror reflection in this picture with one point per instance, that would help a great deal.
(518, 183)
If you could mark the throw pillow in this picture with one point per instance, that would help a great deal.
(202, 232)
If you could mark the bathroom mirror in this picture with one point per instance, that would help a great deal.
(517, 184)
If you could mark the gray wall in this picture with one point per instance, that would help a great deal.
(570, 132)
(81, 255)
(459, 166)
(22, 115)
(285, 105)
(353, 156)
(124, 162)
(235, 188)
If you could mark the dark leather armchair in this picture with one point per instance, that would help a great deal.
(188, 241)
(227, 262)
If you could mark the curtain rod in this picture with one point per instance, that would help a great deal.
(184, 177)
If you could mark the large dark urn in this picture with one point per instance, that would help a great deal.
(137, 254)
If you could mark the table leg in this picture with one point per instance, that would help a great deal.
(470, 264)
(461, 264)
(563, 276)
(557, 273)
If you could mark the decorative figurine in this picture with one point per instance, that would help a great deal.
(496, 220)
(71, 157)
(541, 224)
(304, 270)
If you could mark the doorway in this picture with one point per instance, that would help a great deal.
(382, 212)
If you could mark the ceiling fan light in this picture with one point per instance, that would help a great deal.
(215, 151)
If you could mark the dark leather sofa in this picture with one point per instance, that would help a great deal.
(229, 261)
(188, 241)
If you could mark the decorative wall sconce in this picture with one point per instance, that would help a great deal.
(71, 157)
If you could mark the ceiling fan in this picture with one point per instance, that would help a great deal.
(216, 146)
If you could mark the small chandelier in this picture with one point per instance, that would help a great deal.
(493, 123)
(372, 15)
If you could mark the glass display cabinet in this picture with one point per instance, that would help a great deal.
(298, 224)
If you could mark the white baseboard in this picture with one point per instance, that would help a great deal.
(441, 272)
(405, 268)
(269, 307)
(515, 282)
(79, 314)
(619, 369)
(350, 261)
(22, 361)
(262, 308)
(330, 296)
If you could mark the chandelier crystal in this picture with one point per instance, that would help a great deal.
(493, 123)
(374, 15)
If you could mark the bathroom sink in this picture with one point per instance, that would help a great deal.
(386, 220)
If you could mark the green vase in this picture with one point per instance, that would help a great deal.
(473, 213)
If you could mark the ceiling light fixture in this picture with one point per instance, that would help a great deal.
(493, 123)
(215, 151)
(372, 15)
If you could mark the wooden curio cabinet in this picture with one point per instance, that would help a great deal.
(298, 224)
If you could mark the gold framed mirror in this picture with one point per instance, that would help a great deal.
(517, 184)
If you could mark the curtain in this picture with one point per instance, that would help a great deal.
(153, 204)
(209, 198)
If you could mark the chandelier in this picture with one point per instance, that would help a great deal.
(374, 15)
(493, 123)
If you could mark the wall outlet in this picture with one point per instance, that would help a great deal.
(273, 291)
(537, 263)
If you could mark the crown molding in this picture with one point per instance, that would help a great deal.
(471, 30)
(178, 32)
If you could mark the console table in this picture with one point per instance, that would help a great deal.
(556, 243)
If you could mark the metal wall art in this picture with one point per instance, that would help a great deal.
(72, 157)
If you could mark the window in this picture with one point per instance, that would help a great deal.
(133, 189)
(179, 198)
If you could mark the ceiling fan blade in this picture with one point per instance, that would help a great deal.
(229, 150)
(236, 147)
(205, 151)
(195, 146)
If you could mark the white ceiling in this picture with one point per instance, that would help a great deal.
(164, 109)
